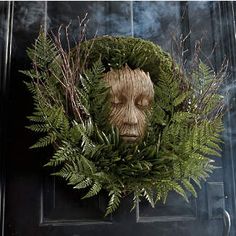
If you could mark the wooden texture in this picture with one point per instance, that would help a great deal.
(131, 98)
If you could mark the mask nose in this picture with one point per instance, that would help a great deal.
(130, 115)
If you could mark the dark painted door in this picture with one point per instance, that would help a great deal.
(32, 203)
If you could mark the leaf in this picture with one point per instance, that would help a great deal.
(180, 99)
(88, 166)
(43, 52)
(114, 201)
(182, 117)
(197, 181)
(178, 189)
(189, 187)
(45, 141)
(148, 194)
(83, 184)
(94, 190)
(63, 153)
(75, 178)
(136, 199)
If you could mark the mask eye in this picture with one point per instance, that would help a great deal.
(116, 101)
(142, 103)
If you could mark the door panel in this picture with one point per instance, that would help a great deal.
(38, 204)
(60, 204)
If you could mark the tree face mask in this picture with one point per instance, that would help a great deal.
(132, 94)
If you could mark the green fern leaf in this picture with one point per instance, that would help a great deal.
(88, 166)
(189, 187)
(180, 99)
(178, 189)
(114, 201)
(45, 141)
(94, 190)
(148, 194)
(39, 127)
(83, 184)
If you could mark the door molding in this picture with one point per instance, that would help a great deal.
(6, 16)
(224, 29)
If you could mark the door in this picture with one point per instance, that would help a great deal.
(32, 202)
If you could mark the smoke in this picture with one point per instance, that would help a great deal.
(153, 18)
(148, 20)
(113, 18)
(29, 15)
(4, 24)
(199, 12)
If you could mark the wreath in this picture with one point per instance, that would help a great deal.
(72, 103)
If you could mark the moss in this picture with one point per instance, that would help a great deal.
(115, 52)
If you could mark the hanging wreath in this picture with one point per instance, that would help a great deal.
(123, 117)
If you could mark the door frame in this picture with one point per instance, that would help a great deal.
(5, 65)
(225, 16)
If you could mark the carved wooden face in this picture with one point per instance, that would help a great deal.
(131, 97)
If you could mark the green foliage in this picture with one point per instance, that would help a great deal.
(183, 133)
(43, 52)
(97, 94)
(115, 52)
(115, 196)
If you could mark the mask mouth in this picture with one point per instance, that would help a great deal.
(130, 137)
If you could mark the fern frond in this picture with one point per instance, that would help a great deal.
(39, 127)
(75, 178)
(136, 199)
(94, 190)
(178, 189)
(83, 184)
(189, 187)
(88, 166)
(115, 196)
(45, 141)
(63, 153)
(43, 52)
(148, 194)
(181, 98)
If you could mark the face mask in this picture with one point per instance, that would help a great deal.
(131, 98)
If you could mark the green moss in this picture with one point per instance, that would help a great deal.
(115, 52)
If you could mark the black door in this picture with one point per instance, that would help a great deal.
(32, 202)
